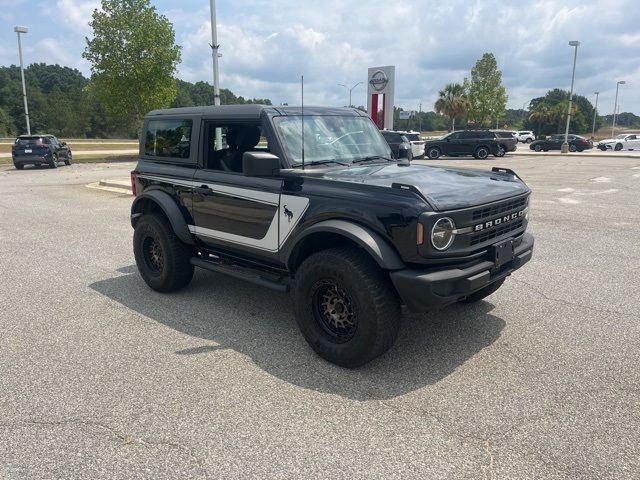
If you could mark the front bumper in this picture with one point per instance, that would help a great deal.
(423, 290)
(605, 146)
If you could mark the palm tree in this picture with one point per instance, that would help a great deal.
(541, 113)
(453, 102)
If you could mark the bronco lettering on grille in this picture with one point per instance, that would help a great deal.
(499, 221)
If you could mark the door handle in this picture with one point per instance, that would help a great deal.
(203, 190)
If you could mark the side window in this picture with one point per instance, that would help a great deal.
(168, 138)
(455, 136)
(631, 137)
(225, 144)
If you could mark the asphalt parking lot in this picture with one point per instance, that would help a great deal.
(103, 378)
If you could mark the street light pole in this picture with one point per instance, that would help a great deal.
(216, 72)
(595, 112)
(351, 90)
(18, 31)
(615, 108)
(565, 145)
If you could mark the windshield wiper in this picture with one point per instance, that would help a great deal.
(371, 158)
(321, 162)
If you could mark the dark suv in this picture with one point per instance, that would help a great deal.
(237, 189)
(40, 150)
(399, 144)
(479, 143)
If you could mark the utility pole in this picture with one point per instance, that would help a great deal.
(216, 73)
(18, 31)
(565, 145)
(615, 108)
(595, 113)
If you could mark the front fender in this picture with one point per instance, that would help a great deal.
(379, 249)
(170, 208)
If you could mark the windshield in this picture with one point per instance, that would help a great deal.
(623, 135)
(413, 136)
(341, 138)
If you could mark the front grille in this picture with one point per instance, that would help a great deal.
(495, 232)
(499, 209)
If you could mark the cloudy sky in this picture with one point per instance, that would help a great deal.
(268, 44)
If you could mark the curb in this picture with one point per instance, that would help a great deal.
(115, 186)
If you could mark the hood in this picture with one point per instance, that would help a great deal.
(443, 188)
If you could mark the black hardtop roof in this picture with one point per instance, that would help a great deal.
(254, 110)
(36, 135)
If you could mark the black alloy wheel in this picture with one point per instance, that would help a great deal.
(334, 310)
(572, 148)
(433, 153)
(54, 160)
(482, 153)
(537, 148)
(153, 254)
(69, 159)
(501, 151)
(618, 147)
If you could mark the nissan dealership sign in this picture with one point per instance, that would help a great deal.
(381, 84)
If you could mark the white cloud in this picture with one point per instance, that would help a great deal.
(268, 44)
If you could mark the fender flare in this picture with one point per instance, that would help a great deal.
(379, 249)
(170, 208)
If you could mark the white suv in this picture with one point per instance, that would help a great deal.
(417, 143)
(526, 136)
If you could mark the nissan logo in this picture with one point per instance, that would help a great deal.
(379, 80)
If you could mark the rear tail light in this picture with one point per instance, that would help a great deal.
(133, 183)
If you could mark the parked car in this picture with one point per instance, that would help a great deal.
(417, 143)
(624, 141)
(479, 143)
(399, 143)
(511, 140)
(526, 136)
(554, 142)
(351, 233)
(40, 150)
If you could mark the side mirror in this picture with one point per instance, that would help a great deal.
(260, 164)
(403, 153)
(64, 144)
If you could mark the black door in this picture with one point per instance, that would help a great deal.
(236, 210)
(229, 208)
(452, 144)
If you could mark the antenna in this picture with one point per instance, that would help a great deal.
(302, 90)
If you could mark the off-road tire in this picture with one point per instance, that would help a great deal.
(483, 293)
(371, 299)
(153, 231)
(481, 153)
(54, 161)
(69, 159)
(433, 153)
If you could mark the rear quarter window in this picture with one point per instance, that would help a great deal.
(168, 138)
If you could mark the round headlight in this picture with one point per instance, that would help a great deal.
(442, 233)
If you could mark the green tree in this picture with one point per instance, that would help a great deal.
(453, 102)
(133, 58)
(487, 95)
(549, 114)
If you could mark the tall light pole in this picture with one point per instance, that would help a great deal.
(18, 31)
(595, 112)
(216, 73)
(615, 108)
(565, 145)
(350, 90)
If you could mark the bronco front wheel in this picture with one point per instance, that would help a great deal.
(346, 307)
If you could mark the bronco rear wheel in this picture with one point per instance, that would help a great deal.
(162, 259)
(346, 307)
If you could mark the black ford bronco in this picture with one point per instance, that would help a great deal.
(314, 203)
